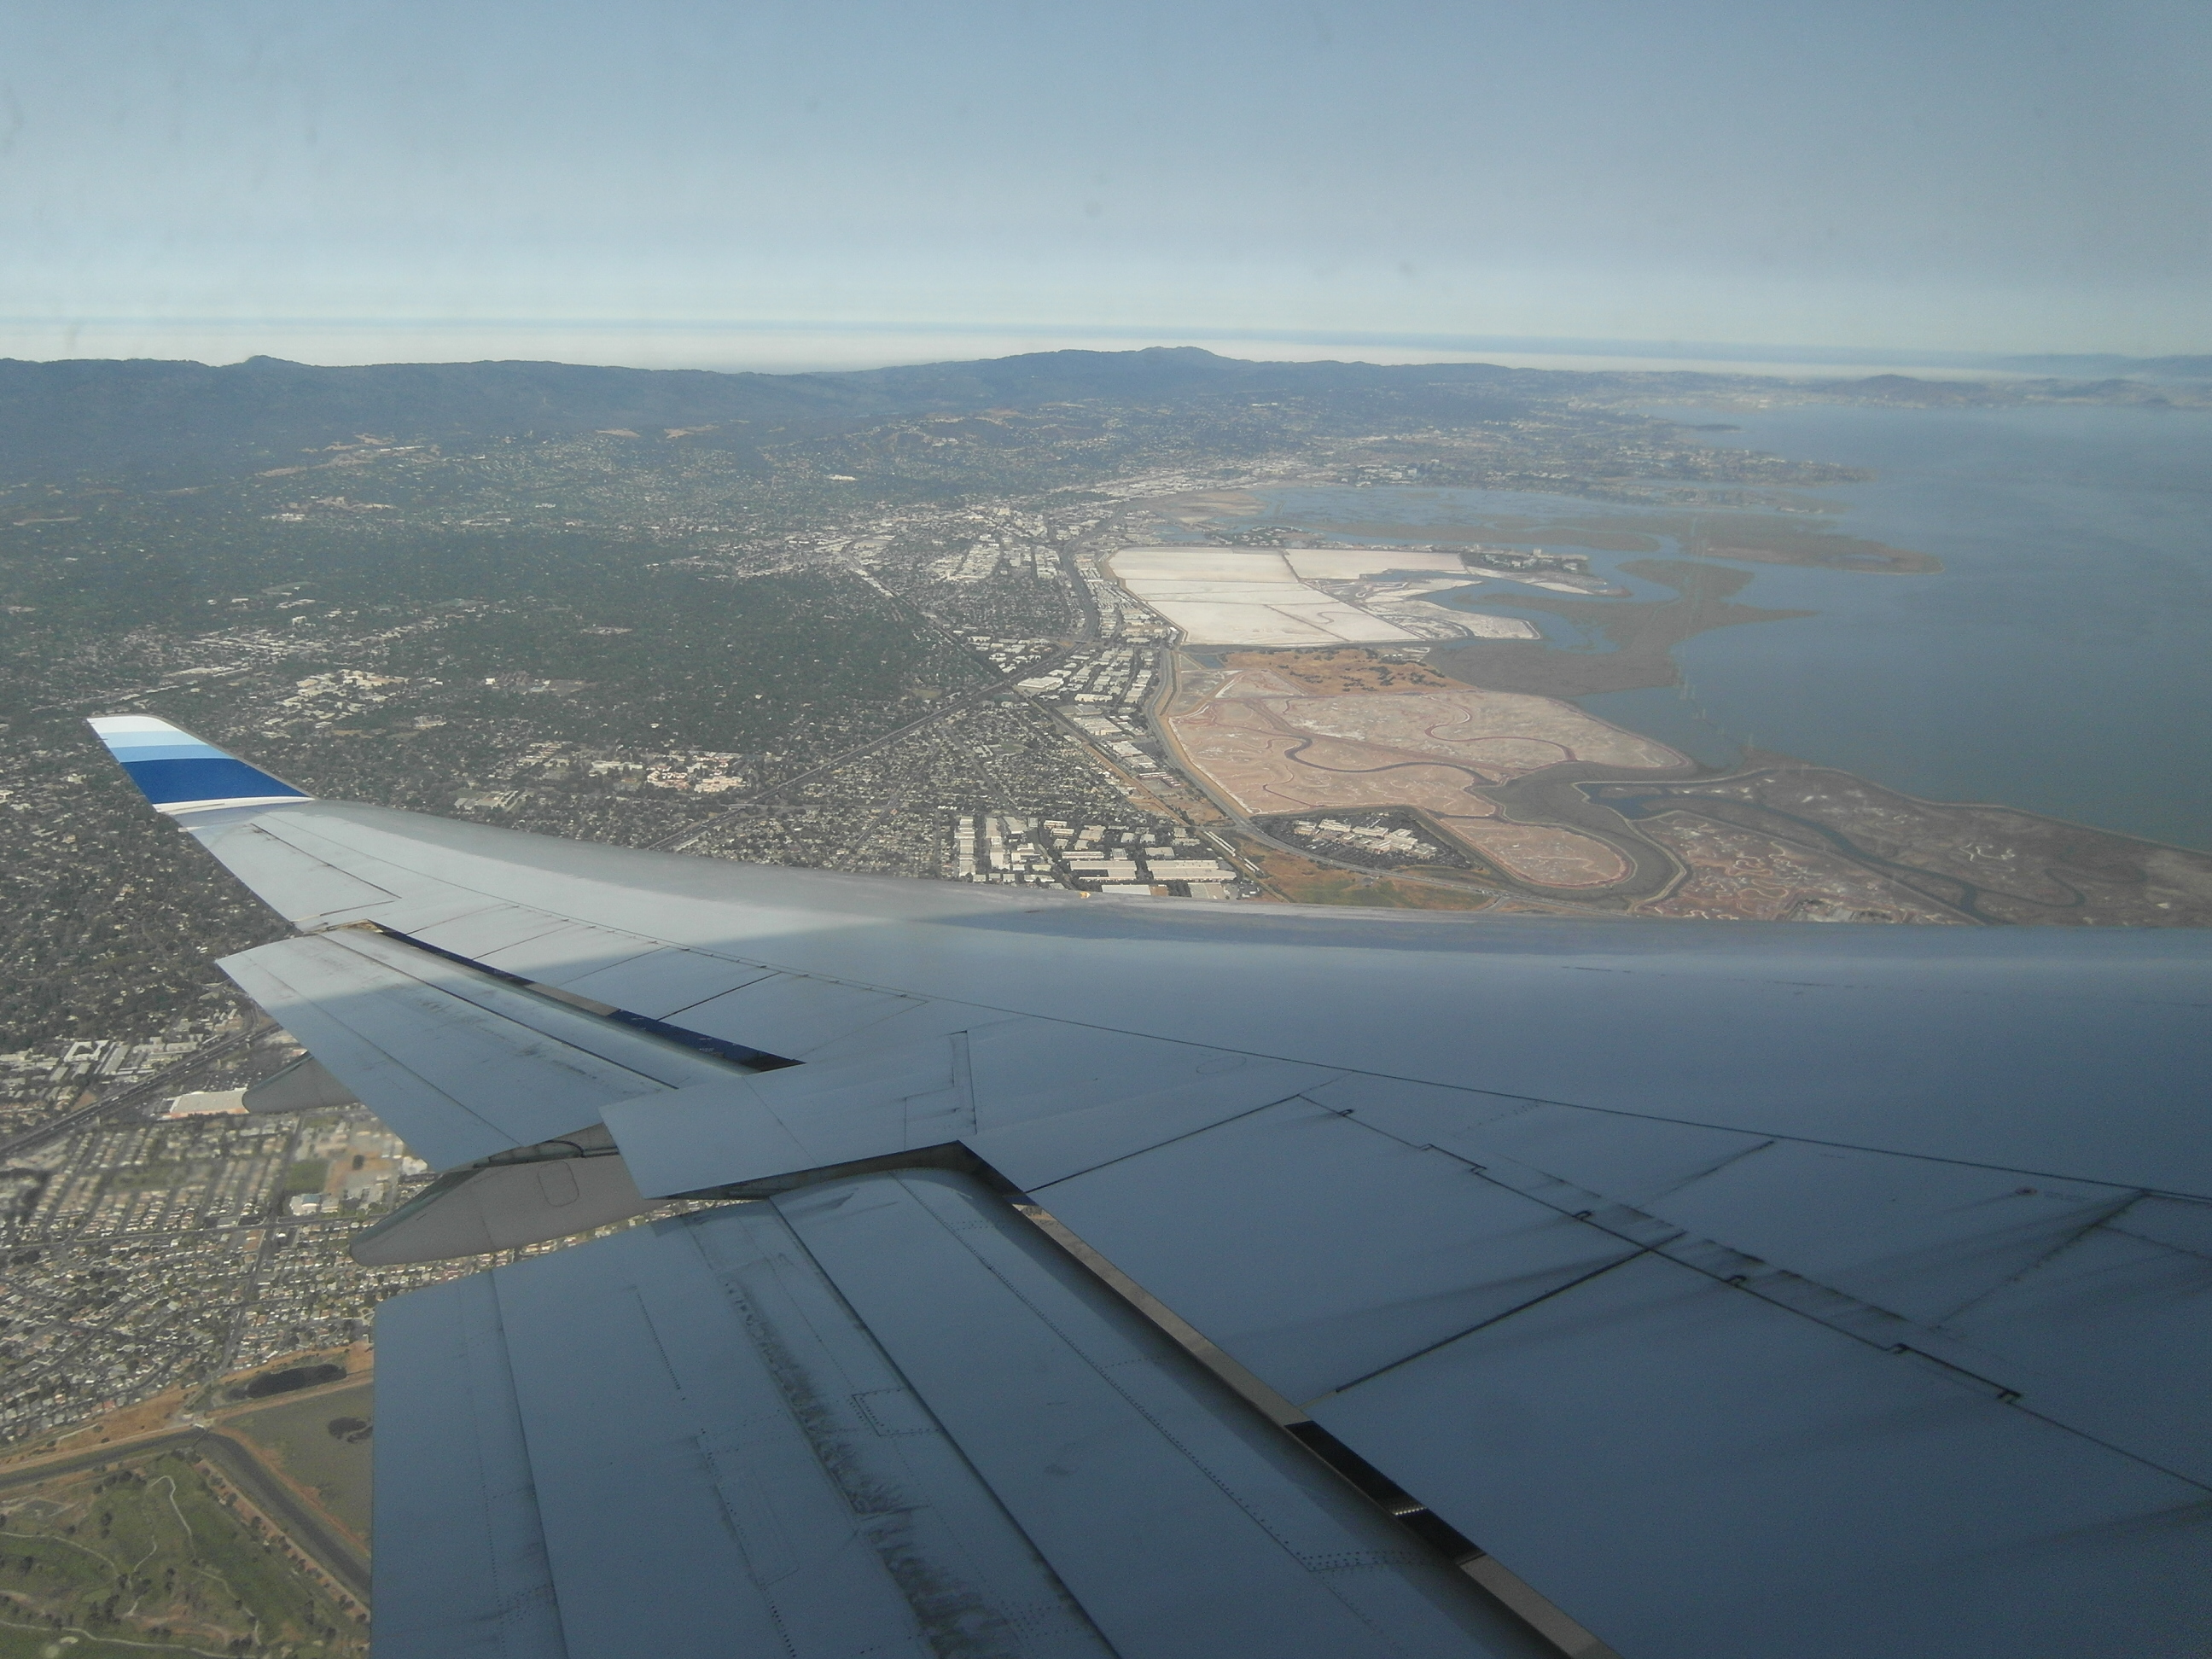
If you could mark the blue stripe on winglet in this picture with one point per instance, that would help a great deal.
(173, 768)
(219, 777)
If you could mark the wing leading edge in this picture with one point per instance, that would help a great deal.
(1744, 1289)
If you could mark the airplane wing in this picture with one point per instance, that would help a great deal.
(1160, 1277)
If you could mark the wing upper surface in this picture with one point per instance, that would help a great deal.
(460, 1064)
(2065, 1052)
(1745, 1288)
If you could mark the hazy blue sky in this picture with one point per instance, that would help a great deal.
(666, 180)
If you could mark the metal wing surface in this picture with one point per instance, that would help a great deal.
(1739, 1290)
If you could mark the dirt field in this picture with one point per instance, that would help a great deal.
(1267, 743)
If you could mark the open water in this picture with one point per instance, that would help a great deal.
(2061, 661)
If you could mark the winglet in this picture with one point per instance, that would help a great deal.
(177, 773)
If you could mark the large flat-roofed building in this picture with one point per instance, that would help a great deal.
(206, 1102)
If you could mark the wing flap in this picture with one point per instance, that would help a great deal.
(461, 1565)
(786, 1450)
(750, 1130)
(731, 1534)
(1166, 1506)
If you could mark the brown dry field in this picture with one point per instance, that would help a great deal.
(1270, 738)
(1301, 881)
(1343, 671)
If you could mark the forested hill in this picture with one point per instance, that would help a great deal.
(140, 416)
(147, 421)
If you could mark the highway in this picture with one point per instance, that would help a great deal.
(165, 1081)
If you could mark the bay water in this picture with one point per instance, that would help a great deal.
(2061, 660)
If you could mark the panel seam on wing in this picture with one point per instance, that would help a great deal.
(1682, 1248)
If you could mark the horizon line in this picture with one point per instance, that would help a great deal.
(1541, 345)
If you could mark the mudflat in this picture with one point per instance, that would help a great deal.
(1643, 634)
